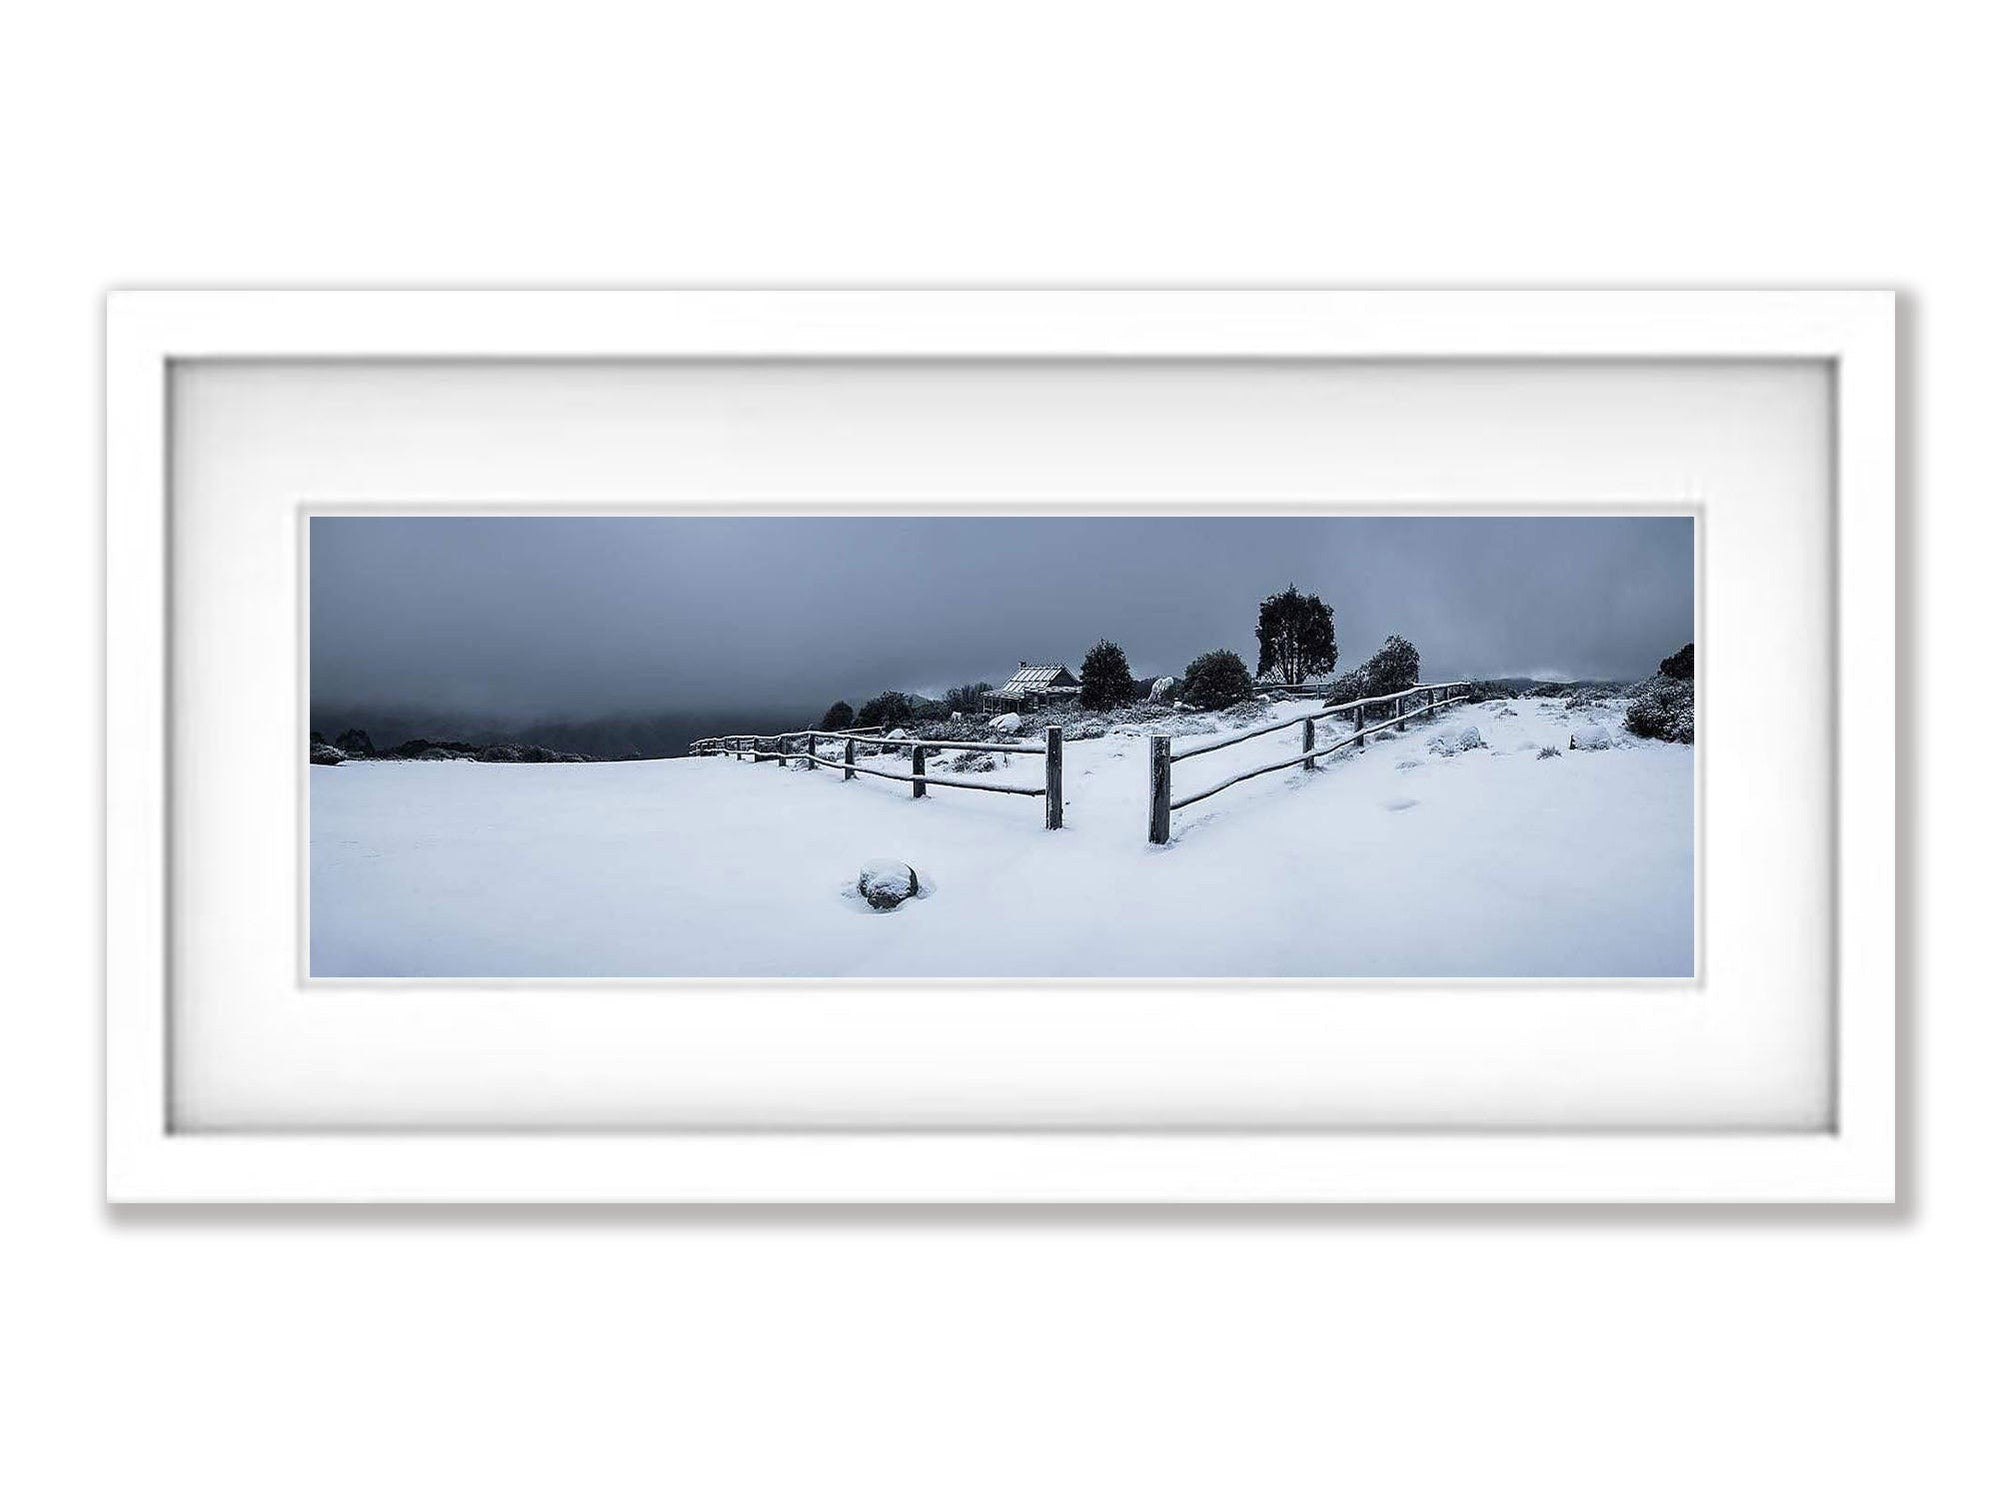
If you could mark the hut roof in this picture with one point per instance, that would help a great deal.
(1037, 679)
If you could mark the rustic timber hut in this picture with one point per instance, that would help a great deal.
(1033, 687)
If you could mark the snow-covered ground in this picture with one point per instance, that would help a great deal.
(1396, 860)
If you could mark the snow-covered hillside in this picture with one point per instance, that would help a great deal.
(1397, 860)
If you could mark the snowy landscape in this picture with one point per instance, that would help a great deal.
(548, 748)
(1409, 857)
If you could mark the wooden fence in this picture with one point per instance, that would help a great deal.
(920, 780)
(1162, 806)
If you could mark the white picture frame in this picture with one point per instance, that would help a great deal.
(1850, 1159)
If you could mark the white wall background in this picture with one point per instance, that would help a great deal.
(989, 1353)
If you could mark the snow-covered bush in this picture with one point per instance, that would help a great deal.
(1592, 695)
(1549, 752)
(1215, 680)
(1663, 708)
(971, 760)
(1589, 736)
(1680, 665)
(325, 754)
(1163, 689)
(1347, 686)
(1456, 742)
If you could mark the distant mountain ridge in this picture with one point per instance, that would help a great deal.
(610, 737)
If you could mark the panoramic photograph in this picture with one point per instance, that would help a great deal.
(909, 747)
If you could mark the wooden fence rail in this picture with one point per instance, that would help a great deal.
(1161, 806)
(920, 780)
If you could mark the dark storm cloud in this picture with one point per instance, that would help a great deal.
(527, 618)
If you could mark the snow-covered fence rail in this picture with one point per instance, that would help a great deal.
(1161, 805)
(919, 778)
(750, 746)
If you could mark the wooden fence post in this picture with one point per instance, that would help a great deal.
(1359, 725)
(848, 773)
(1311, 737)
(1160, 826)
(1053, 798)
(811, 751)
(917, 787)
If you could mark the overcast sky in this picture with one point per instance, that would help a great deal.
(525, 617)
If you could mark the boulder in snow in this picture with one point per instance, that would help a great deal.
(1448, 744)
(886, 883)
(1590, 736)
(1006, 723)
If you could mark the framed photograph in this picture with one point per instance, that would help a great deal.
(1001, 747)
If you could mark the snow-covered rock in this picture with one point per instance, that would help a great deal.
(1006, 723)
(886, 883)
(326, 754)
(1589, 736)
(1448, 744)
(896, 734)
(1163, 687)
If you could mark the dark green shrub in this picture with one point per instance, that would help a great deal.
(839, 716)
(1215, 680)
(887, 710)
(968, 698)
(1106, 677)
(1394, 668)
(1680, 665)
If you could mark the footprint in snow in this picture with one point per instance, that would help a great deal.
(1399, 803)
